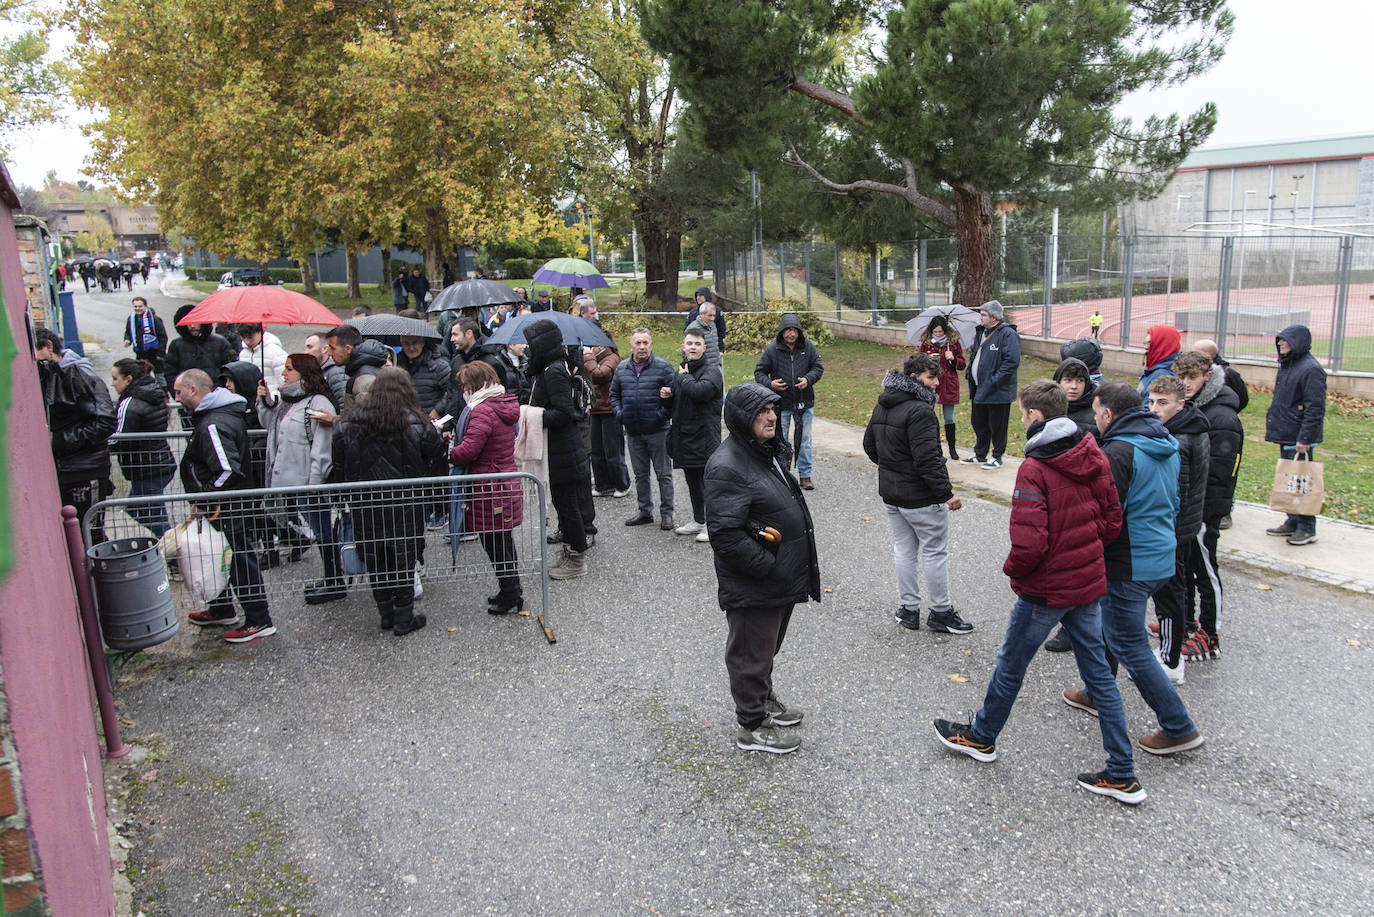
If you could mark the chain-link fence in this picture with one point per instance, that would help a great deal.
(1238, 289)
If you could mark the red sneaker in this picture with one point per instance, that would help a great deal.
(249, 633)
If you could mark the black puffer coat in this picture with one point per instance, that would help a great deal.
(1080, 409)
(205, 350)
(336, 377)
(1226, 441)
(387, 512)
(429, 372)
(80, 417)
(748, 486)
(695, 431)
(551, 389)
(367, 359)
(246, 377)
(1189, 427)
(903, 440)
(801, 360)
(143, 409)
(1298, 412)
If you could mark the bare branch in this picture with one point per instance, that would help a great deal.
(931, 208)
(836, 100)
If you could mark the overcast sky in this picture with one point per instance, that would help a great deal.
(1292, 70)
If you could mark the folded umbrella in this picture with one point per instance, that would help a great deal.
(577, 331)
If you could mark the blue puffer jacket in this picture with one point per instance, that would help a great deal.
(634, 395)
(995, 379)
(1144, 460)
(1298, 412)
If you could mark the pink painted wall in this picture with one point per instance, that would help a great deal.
(47, 679)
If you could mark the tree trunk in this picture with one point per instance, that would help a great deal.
(355, 290)
(434, 264)
(385, 283)
(973, 279)
(672, 255)
(308, 277)
(653, 238)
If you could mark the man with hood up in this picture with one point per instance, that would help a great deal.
(903, 440)
(196, 347)
(1064, 510)
(1144, 462)
(1297, 415)
(81, 418)
(216, 460)
(765, 557)
(791, 366)
(991, 374)
(1162, 347)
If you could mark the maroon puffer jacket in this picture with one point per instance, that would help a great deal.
(948, 390)
(488, 447)
(1064, 510)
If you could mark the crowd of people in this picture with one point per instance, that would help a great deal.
(1120, 500)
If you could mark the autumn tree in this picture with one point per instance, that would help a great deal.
(957, 101)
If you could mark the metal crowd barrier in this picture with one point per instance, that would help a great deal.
(456, 573)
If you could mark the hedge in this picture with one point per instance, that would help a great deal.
(519, 267)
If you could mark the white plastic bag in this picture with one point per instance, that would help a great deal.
(204, 555)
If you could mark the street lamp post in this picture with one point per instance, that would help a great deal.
(1169, 283)
(1293, 245)
(1240, 276)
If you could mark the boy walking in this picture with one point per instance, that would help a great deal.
(903, 440)
(1065, 509)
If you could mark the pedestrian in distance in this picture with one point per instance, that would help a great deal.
(1205, 385)
(1144, 463)
(991, 375)
(791, 366)
(640, 390)
(941, 340)
(417, 285)
(400, 296)
(146, 334)
(903, 440)
(216, 461)
(1095, 322)
(694, 433)
(766, 562)
(146, 463)
(1297, 416)
(1064, 510)
(1187, 425)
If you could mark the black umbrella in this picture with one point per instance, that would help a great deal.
(577, 331)
(389, 329)
(472, 294)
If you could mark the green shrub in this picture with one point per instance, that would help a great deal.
(519, 267)
(285, 274)
(752, 333)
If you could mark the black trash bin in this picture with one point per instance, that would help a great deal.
(132, 593)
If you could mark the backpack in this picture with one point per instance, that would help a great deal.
(582, 396)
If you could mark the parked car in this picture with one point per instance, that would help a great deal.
(245, 277)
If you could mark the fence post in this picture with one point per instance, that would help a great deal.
(873, 294)
(748, 270)
(837, 281)
(1048, 283)
(782, 270)
(1344, 261)
(1127, 287)
(806, 271)
(1224, 288)
(921, 259)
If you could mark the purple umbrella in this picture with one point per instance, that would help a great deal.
(571, 272)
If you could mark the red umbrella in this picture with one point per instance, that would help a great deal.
(260, 305)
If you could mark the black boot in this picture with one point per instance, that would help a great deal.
(949, 436)
(509, 599)
(331, 588)
(387, 612)
(406, 621)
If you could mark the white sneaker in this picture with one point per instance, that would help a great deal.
(620, 493)
(703, 536)
(1175, 674)
(689, 528)
(992, 462)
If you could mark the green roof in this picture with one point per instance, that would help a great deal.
(1350, 147)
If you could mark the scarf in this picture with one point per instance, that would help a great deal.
(938, 341)
(142, 331)
(482, 394)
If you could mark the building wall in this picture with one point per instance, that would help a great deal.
(47, 683)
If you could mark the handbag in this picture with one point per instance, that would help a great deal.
(1299, 487)
(350, 558)
(203, 555)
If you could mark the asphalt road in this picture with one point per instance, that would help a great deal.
(472, 768)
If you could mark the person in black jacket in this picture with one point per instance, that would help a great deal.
(695, 429)
(80, 420)
(1234, 382)
(216, 461)
(1207, 389)
(146, 334)
(1168, 402)
(428, 369)
(1296, 416)
(1075, 378)
(566, 460)
(146, 463)
(703, 296)
(903, 440)
(360, 359)
(417, 285)
(387, 437)
(791, 366)
(196, 347)
(765, 558)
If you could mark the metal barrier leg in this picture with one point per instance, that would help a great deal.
(95, 647)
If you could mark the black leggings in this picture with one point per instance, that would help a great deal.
(696, 489)
(567, 500)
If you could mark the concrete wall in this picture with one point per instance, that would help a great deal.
(47, 684)
(1114, 360)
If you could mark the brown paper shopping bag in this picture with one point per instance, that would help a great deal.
(1298, 488)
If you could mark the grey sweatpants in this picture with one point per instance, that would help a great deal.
(921, 533)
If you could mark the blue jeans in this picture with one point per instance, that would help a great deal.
(153, 516)
(1123, 628)
(315, 511)
(801, 442)
(1030, 624)
(1307, 524)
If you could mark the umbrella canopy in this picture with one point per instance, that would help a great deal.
(571, 272)
(472, 294)
(961, 318)
(389, 329)
(577, 331)
(262, 305)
